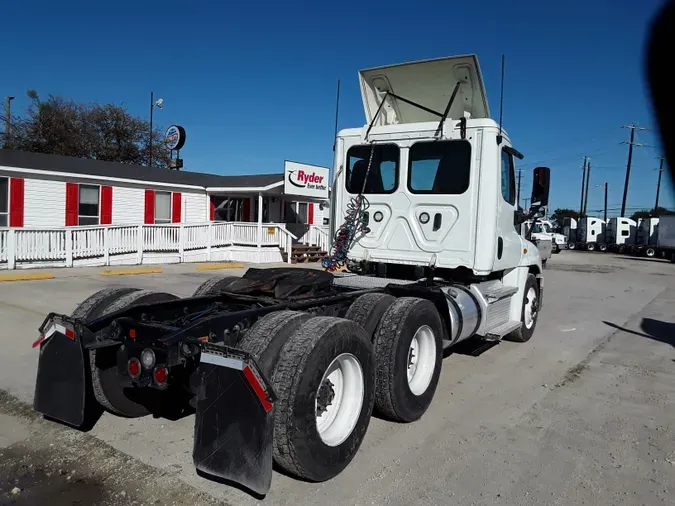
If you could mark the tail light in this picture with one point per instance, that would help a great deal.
(160, 375)
(134, 368)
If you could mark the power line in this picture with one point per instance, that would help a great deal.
(630, 143)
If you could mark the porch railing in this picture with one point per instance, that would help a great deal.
(137, 244)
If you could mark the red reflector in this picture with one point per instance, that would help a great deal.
(39, 341)
(258, 389)
(134, 368)
(70, 334)
(132, 333)
(160, 375)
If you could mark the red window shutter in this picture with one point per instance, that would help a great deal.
(16, 193)
(212, 209)
(106, 205)
(247, 209)
(149, 207)
(72, 202)
(176, 207)
(310, 213)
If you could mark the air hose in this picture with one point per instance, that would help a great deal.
(354, 223)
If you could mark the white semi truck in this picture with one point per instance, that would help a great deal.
(543, 229)
(590, 235)
(656, 238)
(621, 233)
(287, 365)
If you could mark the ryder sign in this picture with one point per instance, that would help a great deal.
(305, 180)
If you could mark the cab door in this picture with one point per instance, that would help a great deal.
(509, 245)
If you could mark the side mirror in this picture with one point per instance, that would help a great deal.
(540, 187)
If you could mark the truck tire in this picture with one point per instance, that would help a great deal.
(268, 335)
(106, 381)
(408, 347)
(590, 246)
(602, 247)
(213, 286)
(325, 383)
(529, 312)
(650, 252)
(571, 246)
(368, 309)
(91, 308)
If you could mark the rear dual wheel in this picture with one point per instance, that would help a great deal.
(107, 383)
(323, 371)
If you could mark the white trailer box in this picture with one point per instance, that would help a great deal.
(570, 229)
(666, 233)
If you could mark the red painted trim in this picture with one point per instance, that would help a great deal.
(176, 207)
(149, 217)
(72, 202)
(16, 202)
(247, 209)
(106, 205)
(212, 209)
(310, 213)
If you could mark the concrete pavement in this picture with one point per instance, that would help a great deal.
(582, 413)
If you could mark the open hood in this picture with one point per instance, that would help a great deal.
(429, 83)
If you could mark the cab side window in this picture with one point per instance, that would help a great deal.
(508, 178)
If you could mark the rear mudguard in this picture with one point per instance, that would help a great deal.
(234, 420)
(63, 384)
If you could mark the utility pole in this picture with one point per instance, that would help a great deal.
(630, 143)
(605, 217)
(588, 184)
(520, 173)
(583, 183)
(152, 106)
(658, 185)
(8, 119)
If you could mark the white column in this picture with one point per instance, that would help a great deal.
(260, 215)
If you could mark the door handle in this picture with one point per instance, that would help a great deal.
(438, 219)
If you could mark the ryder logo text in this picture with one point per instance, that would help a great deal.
(309, 180)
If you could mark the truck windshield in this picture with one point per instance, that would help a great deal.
(383, 173)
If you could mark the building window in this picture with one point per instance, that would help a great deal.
(228, 209)
(88, 205)
(162, 207)
(4, 201)
(296, 212)
(508, 178)
(440, 168)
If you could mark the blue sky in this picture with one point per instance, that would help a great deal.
(254, 83)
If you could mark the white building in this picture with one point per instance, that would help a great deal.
(41, 192)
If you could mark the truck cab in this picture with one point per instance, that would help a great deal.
(439, 193)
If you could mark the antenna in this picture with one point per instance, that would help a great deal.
(501, 105)
(337, 112)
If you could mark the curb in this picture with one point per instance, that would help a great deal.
(28, 276)
(130, 272)
(214, 267)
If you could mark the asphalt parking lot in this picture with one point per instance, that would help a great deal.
(584, 413)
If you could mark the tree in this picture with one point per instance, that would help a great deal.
(560, 214)
(60, 126)
(650, 213)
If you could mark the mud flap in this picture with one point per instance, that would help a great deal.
(61, 387)
(234, 421)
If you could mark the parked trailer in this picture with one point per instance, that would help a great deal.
(590, 235)
(621, 233)
(287, 365)
(646, 238)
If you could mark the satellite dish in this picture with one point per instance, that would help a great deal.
(159, 102)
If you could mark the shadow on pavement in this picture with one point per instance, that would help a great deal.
(657, 330)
